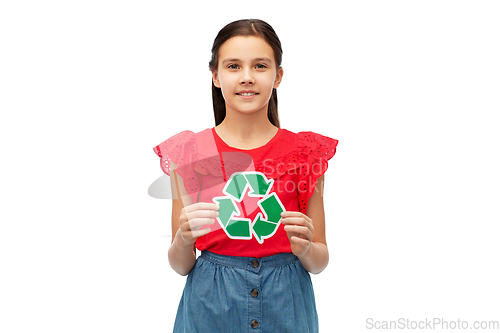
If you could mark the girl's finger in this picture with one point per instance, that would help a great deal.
(196, 224)
(302, 231)
(202, 213)
(201, 206)
(300, 241)
(295, 214)
(291, 221)
(295, 220)
(192, 235)
(199, 233)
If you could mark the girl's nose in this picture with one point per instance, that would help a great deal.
(247, 78)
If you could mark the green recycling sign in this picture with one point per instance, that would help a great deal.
(266, 223)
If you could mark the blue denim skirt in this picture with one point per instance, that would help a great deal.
(225, 294)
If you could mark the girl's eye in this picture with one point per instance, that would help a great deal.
(235, 66)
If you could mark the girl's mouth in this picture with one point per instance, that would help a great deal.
(247, 95)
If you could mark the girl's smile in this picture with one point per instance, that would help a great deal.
(247, 94)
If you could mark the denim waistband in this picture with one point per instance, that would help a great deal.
(280, 259)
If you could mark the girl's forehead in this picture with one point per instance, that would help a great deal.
(245, 48)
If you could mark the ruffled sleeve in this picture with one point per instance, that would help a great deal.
(180, 149)
(314, 150)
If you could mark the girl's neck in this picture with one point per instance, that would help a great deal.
(246, 131)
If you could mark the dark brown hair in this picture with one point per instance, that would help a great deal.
(250, 27)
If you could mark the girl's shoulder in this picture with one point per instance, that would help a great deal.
(183, 141)
(182, 147)
(306, 149)
(310, 143)
(304, 154)
(183, 137)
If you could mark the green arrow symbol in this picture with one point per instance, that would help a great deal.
(263, 229)
(259, 184)
(265, 223)
(226, 209)
(239, 228)
(236, 186)
(272, 207)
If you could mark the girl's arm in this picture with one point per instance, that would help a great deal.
(187, 219)
(307, 232)
(181, 257)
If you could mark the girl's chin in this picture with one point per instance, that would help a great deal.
(247, 111)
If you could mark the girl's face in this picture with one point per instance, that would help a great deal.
(246, 73)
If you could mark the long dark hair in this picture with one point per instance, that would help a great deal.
(250, 27)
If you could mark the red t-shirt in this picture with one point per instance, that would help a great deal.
(252, 187)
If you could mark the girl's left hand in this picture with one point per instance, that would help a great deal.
(299, 229)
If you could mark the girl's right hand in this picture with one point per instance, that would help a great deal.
(192, 218)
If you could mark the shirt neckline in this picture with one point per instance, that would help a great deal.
(219, 139)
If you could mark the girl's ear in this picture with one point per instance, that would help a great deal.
(279, 77)
(215, 79)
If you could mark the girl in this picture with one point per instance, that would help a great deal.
(248, 194)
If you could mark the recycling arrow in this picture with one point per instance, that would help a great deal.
(265, 224)
(238, 183)
(238, 228)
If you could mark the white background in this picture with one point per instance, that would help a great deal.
(88, 88)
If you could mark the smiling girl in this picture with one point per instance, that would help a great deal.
(248, 195)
